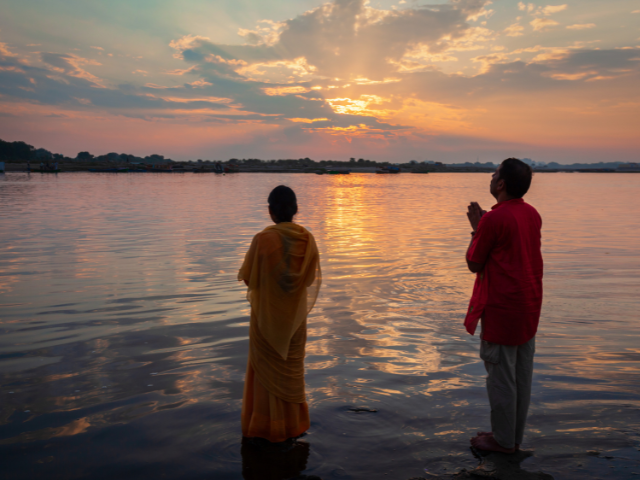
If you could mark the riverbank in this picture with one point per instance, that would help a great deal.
(188, 168)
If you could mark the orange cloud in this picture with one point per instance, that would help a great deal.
(307, 120)
(581, 26)
(280, 91)
(514, 30)
(542, 24)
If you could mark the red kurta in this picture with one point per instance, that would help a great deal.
(507, 294)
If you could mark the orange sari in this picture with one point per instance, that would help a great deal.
(282, 270)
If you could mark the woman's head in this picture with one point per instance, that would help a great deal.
(283, 204)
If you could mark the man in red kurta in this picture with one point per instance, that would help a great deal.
(507, 298)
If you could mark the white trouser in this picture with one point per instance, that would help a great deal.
(510, 370)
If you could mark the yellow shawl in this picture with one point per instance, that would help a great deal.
(282, 268)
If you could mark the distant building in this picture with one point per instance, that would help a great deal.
(533, 164)
(628, 167)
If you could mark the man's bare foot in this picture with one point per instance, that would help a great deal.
(488, 443)
(484, 434)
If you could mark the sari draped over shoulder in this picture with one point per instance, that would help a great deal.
(282, 270)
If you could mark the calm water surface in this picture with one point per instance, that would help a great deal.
(124, 331)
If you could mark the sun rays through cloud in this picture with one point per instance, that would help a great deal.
(443, 81)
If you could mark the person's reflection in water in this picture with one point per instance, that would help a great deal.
(263, 460)
(282, 271)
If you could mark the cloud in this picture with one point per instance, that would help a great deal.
(549, 9)
(285, 90)
(71, 65)
(514, 30)
(62, 82)
(581, 26)
(482, 13)
(307, 120)
(377, 79)
(574, 76)
(184, 71)
(359, 106)
(343, 39)
(266, 34)
(526, 7)
(5, 52)
(542, 24)
(487, 60)
(313, 65)
(277, 71)
(200, 84)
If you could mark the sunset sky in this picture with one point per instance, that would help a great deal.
(450, 81)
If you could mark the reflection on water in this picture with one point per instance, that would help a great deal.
(264, 461)
(124, 330)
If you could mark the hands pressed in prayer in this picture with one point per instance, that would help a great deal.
(474, 214)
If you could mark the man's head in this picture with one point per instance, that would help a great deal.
(511, 179)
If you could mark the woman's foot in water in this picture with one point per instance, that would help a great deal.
(485, 441)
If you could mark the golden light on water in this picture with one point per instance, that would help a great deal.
(138, 308)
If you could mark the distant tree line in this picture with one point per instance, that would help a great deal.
(21, 152)
(307, 162)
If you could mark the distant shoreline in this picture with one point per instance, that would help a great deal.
(422, 169)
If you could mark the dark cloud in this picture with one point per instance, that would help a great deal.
(24, 82)
(576, 72)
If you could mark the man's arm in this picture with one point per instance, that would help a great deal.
(473, 266)
(474, 214)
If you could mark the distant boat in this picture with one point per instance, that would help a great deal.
(338, 171)
(228, 168)
(388, 169)
(160, 169)
(109, 170)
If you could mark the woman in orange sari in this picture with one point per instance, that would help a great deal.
(282, 272)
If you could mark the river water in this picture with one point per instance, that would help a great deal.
(124, 330)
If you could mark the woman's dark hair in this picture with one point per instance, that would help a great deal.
(517, 177)
(283, 203)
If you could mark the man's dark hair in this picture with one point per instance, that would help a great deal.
(283, 203)
(517, 176)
